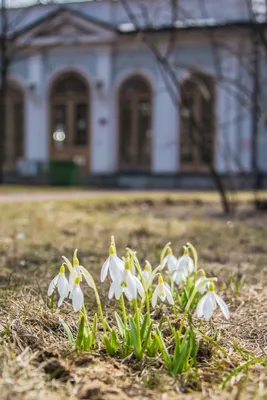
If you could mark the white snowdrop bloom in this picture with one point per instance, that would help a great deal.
(208, 304)
(185, 262)
(77, 296)
(126, 283)
(113, 265)
(170, 260)
(162, 291)
(205, 286)
(76, 271)
(179, 276)
(147, 271)
(60, 281)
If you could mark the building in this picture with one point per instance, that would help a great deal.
(84, 85)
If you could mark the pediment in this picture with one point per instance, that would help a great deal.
(66, 27)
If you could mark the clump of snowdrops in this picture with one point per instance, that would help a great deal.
(136, 329)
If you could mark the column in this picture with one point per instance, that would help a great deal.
(102, 140)
(165, 130)
(36, 119)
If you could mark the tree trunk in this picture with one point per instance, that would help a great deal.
(3, 88)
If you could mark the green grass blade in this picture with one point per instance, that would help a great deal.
(120, 324)
(68, 332)
(133, 330)
(165, 354)
(144, 327)
(80, 334)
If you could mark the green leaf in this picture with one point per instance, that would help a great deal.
(114, 340)
(143, 326)
(178, 366)
(120, 324)
(94, 329)
(80, 334)
(164, 352)
(146, 338)
(108, 346)
(134, 336)
(68, 332)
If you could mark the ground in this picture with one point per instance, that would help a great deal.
(36, 359)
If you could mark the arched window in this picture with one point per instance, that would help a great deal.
(135, 123)
(69, 103)
(197, 122)
(14, 135)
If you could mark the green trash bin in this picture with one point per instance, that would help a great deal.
(63, 173)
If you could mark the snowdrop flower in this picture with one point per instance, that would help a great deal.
(185, 263)
(60, 281)
(170, 261)
(179, 276)
(162, 291)
(147, 271)
(77, 295)
(76, 271)
(113, 265)
(204, 287)
(126, 283)
(208, 304)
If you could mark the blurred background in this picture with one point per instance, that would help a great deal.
(142, 94)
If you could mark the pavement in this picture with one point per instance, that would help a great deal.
(16, 197)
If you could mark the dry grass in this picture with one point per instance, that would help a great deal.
(36, 360)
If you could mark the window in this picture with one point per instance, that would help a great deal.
(197, 122)
(259, 9)
(69, 102)
(135, 118)
(14, 124)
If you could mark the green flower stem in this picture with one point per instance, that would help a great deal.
(140, 272)
(137, 324)
(84, 313)
(192, 248)
(147, 307)
(163, 252)
(90, 281)
(191, 298)
(124, 314)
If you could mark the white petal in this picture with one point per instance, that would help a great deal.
(203, 288)
(77, 298)
(168, 294)
(128, 294)
(111, 291)
(155, 297)
(60, 301)
(52, 286)
(199, 310)
(131, 284)
(118, 289)
(146, 275)
(208, 307)
(164, 262)
(63, 286)
(116, 267)
(172, 262)
(190, 265)
(162, 296)
(104, 270)
(140, 288)
(222, 306)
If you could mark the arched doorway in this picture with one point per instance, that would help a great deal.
(69, 113)
(197, 122)
(135, 124)
(14, 135)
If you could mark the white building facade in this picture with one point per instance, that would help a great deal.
(85, 85)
